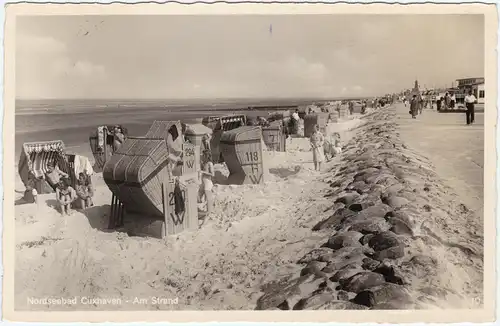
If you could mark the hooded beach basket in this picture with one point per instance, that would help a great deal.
(310, 120)
(135, 173)
(34, 159)
(274, 136)
(243, 154)
(224, 124)
(195, 132)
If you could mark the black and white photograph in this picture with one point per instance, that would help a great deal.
(252, 162)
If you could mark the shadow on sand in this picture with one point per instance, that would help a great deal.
(21, 201)
(285, 172)
(98, 217)
(133, 225)
(52, 203)
(220, 178)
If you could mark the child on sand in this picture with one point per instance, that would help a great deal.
(65, 195)
(31, 194)
(332, 146)
(84, 191)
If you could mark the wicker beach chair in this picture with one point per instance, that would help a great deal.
(224, 124)
(313, 119)
(242, 150)
(34, 159)
(139, 176)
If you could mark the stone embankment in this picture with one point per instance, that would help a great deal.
(397, 236)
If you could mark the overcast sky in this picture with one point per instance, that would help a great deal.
(242, 56)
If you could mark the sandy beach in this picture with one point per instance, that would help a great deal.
(259, 235)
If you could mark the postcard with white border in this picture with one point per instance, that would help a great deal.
(250, 162)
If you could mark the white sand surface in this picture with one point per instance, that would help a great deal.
(255, 235)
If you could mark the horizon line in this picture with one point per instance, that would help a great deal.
(204, 99)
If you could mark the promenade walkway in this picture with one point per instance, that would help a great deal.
(456, 149)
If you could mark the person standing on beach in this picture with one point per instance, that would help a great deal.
(439, 101)
(452, 101)
(53, 175)
(174, 150)
(317, 140)
(206, 175)
(294, 123)
(414, 106)
(205, 143)
(469, 100)
(351, 107)
(118, 138)
(421, 103)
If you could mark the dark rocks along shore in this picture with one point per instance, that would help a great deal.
(380, 191)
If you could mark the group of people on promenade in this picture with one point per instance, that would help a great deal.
(417, 103)
(446, 102)
(416, 106)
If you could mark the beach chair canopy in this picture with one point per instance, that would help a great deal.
(210, 119)
(35, 157)
(197, 129)
(161, 129)
(231, 122)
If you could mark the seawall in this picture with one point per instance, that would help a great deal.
(399, 237)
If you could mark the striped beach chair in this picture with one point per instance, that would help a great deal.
(35, 157)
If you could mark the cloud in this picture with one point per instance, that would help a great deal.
(46, 68)
(38, 44)
(80, 68)
(267, 77)
(303, 69)
(369, 55)
(294, 74)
